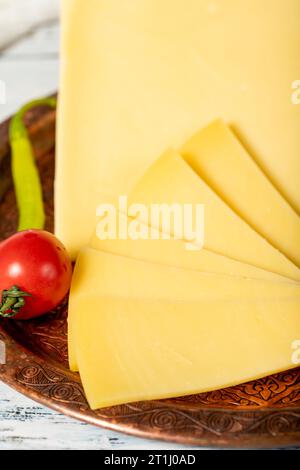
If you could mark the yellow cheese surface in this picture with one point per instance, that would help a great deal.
(104, 274)
(174, 252)
(170, 180)
(131, 350)
(219, 158)
(139, 76)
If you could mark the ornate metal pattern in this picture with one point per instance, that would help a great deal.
(280, 390)
(265, 412)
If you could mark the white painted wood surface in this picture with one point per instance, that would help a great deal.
(29, 69)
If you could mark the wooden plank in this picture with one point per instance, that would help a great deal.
(30, 68)
(41, 43)
(27, 425)
(19, 17)
(26, 80)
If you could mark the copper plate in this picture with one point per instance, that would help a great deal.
(264, 413)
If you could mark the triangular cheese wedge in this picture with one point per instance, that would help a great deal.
(131, 350)
(174, 252)
(103, 274)
(217, 156)
(170, 180)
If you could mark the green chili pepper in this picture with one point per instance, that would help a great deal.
(25, 174)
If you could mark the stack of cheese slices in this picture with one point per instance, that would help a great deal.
(144, 84)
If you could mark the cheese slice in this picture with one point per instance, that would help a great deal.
(138, 76)
(170, 180)
(104, 274)
(131, 349)
(173, 252)
(223, 163)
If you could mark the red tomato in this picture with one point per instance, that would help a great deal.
(38, 265)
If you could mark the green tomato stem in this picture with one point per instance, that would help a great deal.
(12, 301)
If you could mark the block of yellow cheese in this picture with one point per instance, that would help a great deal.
(107, 275)
(138, 76)
(170, 180)
(223, 163)
(132, 349)
(173, 252)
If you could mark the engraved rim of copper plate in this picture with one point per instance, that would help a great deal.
(264, 413)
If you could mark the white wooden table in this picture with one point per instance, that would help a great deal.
(29, 69)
